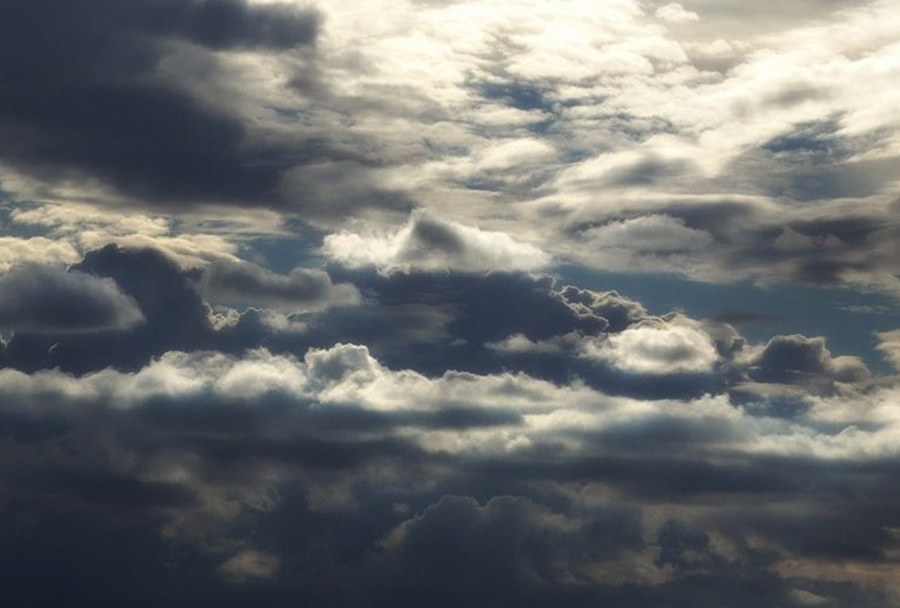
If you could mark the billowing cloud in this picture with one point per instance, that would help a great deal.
(675, 13)
(802, 360)
(47, 299)
(889, 345)
(589, 495)
(426, 242)
(659, 349)
(247, 284)
(647, 243)
(35, 250)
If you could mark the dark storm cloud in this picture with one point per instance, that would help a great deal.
(426, 322)
(47, 300)
(79, 91)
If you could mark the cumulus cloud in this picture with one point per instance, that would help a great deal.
(428, 243)
(803, 360)
(35, 250)
(248, 284)
(659, 349)
(650, 359)
(584, 491)
(675, 13)
(47, 299)
(889, 345)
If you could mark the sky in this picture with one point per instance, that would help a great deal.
(449, 303)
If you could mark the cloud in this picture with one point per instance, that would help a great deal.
(675, 13)
(250, 285)
(250, 565)
(92, 109)
(647, 243)
(432, 244)
(173, 315)
(619, 312)
(563, 492)
(507, 545)
(303, 353)
(49, 300)
(889, 345)
(652, 358)
(799, 359)
(35, 250)
(659, 349)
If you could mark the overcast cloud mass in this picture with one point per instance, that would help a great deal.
(452, 303)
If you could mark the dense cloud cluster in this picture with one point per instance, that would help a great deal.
(478, 303)
(563, 443)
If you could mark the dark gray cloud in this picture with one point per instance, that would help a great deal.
(618, 312)
(175, 316)
(243, 284)
(344, 506)
(801, 360)
(82, 95)
(47, 300)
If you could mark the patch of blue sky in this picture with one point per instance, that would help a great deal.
(284, 253)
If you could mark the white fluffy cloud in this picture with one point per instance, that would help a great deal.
(428, 243)
(346, 375)
(35, 250)
(676, 13)
(889, 345)
(653, 348)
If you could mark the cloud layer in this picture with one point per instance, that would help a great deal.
(482, 303)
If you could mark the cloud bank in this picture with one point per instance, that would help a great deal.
(482, 303)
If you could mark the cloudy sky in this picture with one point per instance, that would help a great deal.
(450, 303)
